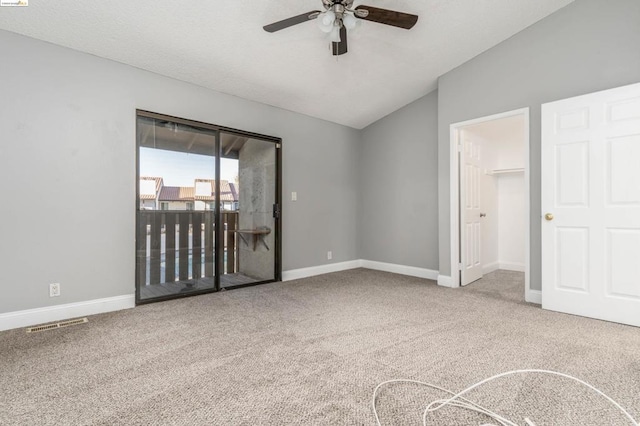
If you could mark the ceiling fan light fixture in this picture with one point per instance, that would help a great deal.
(325, 21)
(349, 21)
(329, 17)
(334, 35)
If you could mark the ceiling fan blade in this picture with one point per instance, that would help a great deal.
(389, 17)
(340, 48)
(289, 22)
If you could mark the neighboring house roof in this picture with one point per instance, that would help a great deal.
(205, 189)
(228, 190)
(176, 193)
(158, 181)
(233, 190)
(202, 190)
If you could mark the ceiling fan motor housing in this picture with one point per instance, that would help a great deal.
(338, 6)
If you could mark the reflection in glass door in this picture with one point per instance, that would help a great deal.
(194, 179)
(175, 219)
(250, 223)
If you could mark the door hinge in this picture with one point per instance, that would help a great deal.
(276, 211)
(459, 148)
(278, 146)
(460, 266)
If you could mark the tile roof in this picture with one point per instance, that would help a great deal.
(158, 181)
(202, 190)
(233, 190)
(176, 193)
(228, 190)
(205, 189)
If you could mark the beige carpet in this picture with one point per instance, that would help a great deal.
(311, 352)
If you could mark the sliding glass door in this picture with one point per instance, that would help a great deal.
(250, 224)
(196, 179)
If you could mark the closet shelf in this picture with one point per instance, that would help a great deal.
(504, 171)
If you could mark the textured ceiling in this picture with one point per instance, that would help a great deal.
(221, 45)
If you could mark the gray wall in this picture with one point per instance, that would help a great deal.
(67, 136)
(587, 46)
(398, 204)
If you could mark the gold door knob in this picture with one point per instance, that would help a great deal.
(548, 216)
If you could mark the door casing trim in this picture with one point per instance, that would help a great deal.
(454, 229)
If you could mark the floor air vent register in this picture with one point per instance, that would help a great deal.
(56, 325)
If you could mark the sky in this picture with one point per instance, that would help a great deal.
(181, 169)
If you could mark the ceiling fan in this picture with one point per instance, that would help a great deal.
(338, 17)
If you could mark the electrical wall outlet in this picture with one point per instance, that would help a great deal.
(329, 255)
(54, 289)
(294, 196)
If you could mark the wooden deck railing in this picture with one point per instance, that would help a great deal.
(192, 252)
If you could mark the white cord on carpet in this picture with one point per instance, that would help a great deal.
(458, 401)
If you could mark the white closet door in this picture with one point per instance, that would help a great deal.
(591, 205)
(470, 209)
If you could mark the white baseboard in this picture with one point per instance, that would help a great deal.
(412, 271)
(401, 269)
(533, 296)
(490, 267)
(36, 316)
(295, 274)
(445, 281)
(509, 266)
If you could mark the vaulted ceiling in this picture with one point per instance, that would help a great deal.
(221, 45)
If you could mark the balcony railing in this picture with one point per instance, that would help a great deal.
(179, 245)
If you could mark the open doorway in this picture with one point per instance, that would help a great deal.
(490, 197)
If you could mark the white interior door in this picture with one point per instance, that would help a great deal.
(591, 205)
(470, 235)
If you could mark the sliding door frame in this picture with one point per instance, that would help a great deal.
(219, 236)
